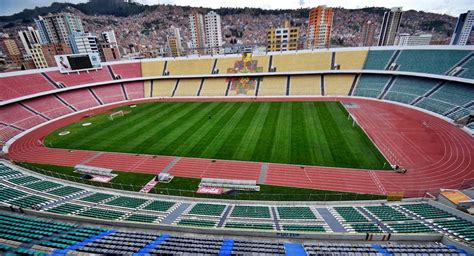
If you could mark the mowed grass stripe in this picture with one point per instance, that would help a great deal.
(302, 149)
(129, 129)
(158, 138)
(207, 127)
(235, 136)
(281, 151)
(338, 145)
(140, 140)
(213, 140)
(186, 136)
(129, 133)
(263, 150)
(316, 134)
(249, 137)
(101, 127)
(156, 130)
(311, 133)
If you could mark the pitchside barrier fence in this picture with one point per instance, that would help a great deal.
(242, 195)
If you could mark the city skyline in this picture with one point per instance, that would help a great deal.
(450, 7)
(205, 33)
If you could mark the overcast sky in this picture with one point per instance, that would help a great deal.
(451, 7)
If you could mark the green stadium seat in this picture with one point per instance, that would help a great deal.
(141, 218)
(407, 89)
(378, 60)
(197, 223)
(426, 211)
(159, 206)
(99, 213)
(207, 209)
(65, 191)
(11, 193)
(251, 212)
(23, 180)
(371, 85)
(350, 214)
(436, 106)
(240, 225)
(128, 202)
(29, 201)
(43, 185)
(429, 61)
(295, 212)
(387, 213)
(96, 197)
(458, 227)
(410, 227)
(66, 208)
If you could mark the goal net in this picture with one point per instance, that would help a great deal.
(115, 115)
(354, 120)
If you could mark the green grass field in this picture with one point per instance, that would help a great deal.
(310, 133)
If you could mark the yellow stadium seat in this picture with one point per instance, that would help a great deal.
(305, 85)
(163, 87)
(351, 59)
(223, 64)
(152, 68)
(273, 86)
(147, 88)
(339, 84)
(190, 67)
(302, 61)
(214, 87)
(262, 61)
(188, 87)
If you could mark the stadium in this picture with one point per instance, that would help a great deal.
(352, 151)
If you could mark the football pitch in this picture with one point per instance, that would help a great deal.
(308, 133)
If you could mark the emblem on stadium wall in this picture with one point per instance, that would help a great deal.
(244, 85)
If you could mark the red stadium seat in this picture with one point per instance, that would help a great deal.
(21, 85)
(81, 78)
(49, 106)
(128, 70)
(109, 93)
(79, 99)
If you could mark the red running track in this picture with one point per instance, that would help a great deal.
(437, 155)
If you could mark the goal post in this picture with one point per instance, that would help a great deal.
(354, 120)
(115, 115)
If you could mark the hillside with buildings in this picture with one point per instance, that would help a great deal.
(131, 30)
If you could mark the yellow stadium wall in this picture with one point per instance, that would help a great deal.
(273, 86)
(214, 87)
(188, 87)
(302, 62)
(223, 64)
(262, 61)
(163, 87)
(190, 67)
(338, 84)
(283, 63)
(147, 88)
(305, 85)
(152, 68)
(351, 60)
